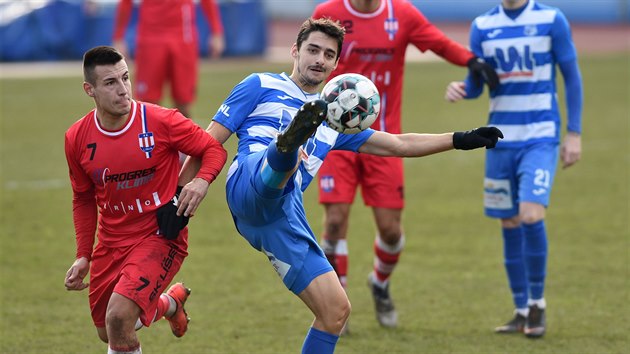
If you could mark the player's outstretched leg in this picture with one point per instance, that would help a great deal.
(303, 125)
(385, 311)
(179, 319)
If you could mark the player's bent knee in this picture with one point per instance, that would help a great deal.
(337, 317)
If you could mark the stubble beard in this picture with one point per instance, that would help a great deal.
(306, 81)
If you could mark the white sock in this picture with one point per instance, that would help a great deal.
(138, 324)
(541, 303)
(523, 312)
(111, 351)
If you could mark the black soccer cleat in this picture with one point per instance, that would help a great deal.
(386, 314)
(303, 126)
(535, 324)
(515, 325)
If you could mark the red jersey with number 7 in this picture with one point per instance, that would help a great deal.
(131, 172)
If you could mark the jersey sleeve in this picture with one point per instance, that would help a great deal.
(189, 138)
(561, 42)
(84, 210)
(213, 15)
(239, 104)
(426, 36)
(352, 142)
(472, 90)
(123, 16)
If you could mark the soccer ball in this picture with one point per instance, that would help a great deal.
(353, 103)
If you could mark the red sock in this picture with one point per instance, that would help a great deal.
(163, 305)
(386, 257)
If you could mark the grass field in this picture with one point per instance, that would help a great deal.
(450, 286)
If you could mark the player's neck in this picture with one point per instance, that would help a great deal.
(365, 6)
(303, 85)
(514, 4)
(111, 122)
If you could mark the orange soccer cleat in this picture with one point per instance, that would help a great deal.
(179, 320)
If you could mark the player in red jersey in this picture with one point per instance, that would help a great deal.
(377, 35)
(124, 162)
(167, 47)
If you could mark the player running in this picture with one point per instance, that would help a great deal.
(124, 163)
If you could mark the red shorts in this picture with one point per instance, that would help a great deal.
(381, 179)
(166, 61)
(140, 272)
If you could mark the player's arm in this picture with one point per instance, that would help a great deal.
(565, 53)
(418, 145)
(426, 36)
(216, 44)
(195, 189)
(84, 215)
(123, 16)
(472, 86)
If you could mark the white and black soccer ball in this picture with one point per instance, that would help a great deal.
(353, 103)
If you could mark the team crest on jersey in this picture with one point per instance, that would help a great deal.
(147, 143)
(391, 27)
(530, 30)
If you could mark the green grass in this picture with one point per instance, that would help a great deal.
(450, 286)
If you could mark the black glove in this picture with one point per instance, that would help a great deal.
(481, 71)
(476, 138)
(168, 222)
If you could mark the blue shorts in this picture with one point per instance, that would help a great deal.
(274, 222)
(518, 175)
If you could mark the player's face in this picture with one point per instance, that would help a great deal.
(112, 90)
(314, 61)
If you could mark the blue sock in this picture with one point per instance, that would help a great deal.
(279, 161)
(536, 257)
(515, 265)
(319, 342)
(278, 165)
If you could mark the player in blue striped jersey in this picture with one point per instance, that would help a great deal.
(282, 143)
(525, 41)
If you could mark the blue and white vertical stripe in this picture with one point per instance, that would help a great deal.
(524, 51)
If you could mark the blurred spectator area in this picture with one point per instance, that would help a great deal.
(42, 30)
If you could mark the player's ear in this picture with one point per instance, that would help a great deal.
(88, 88)
(294, 51)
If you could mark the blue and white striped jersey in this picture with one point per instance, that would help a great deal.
(524, 51)
(262, 105)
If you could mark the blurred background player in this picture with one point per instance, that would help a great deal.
(524, 41)
(167, 48)
(124, 163)
(277, 118)
(377, 35)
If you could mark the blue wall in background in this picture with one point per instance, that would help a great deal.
(65, 29)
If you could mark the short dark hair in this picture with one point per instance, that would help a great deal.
(324, 25)
(101, 55)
